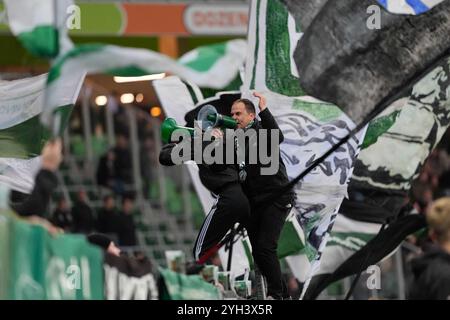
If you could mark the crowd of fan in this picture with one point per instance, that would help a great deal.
(117, 223)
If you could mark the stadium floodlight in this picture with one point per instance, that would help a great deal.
(127, 98)
(155, 111)
(139, 97)
(101, 100)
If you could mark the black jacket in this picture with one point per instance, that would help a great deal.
(431, 276)
(83, 218)
(37, 202)
(107, 221)
(127, 230)
(214, 177)
(106, 171)
(257, 186)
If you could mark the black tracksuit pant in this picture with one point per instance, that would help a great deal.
(264, 229)
(230, 206)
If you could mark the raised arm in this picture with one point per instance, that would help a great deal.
(267, 119)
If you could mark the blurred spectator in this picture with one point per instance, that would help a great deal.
(83, 218)
(61, 216)
(106, 172)
(432, 270)
(99, 141)
(142, 120)
(108, 217)
(113, 103)
(122, 161)
(147, 163)
(127, 229)
(120, 116)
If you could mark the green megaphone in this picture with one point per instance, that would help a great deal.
(210, 118)
(168, 126)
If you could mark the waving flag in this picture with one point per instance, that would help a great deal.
(386, 125)
(310, 127)
(395, 148)
(221, 67)
(363, 69)
(22, 135)
(347, 237)
(409, 6)
(40, 25)
(423, 117)
(217, 61)
(41, 28)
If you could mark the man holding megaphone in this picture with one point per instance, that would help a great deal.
(231, 204)
(242, 185)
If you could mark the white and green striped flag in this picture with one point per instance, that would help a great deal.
(223, 60)
(220, 67)
(22, 135)
(40, 25)
(310, 128)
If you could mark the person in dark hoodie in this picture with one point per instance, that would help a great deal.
(108, 217)
(61, 216)
(230, 205)
(126, 226)
(432, 270)
(82, 214)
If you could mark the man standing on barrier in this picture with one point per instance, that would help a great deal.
(259, 181)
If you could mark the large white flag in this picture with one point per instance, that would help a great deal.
(310, 127)
(22, 135)
(395, 148)
(223, 63)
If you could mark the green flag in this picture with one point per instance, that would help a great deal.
(46, 267)
(40, 25)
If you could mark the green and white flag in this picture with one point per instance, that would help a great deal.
(346, 237)
(310, 127)
(186, 287)
(393, 154)
(40, 25)
(22, 135)
(220, 68)
(40, 266)
(396, 146)
(225, 59)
